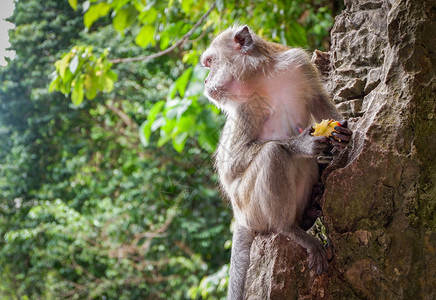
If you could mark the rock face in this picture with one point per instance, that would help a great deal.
(278, 270)
(380, 195)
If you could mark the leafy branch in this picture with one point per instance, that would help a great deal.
(177, 44)
(83, 74)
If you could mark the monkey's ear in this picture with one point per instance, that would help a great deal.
(243, 40)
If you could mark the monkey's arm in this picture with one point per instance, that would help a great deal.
(322, 108)
(303, 145)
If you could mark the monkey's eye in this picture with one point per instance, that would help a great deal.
(208, 62)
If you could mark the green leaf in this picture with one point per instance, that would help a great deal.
(191, 57)
(73, 4)
(74, 63)
(120, 20)
(145, 133)
(117, 4)
(108, 85)
(165, 133)
(150, 125)
(77, 94)
(157, 108)
(95, 12)
(163, 138)
(112, 75)
(179, 141)
(208, 140)
(148, 16)
(176, 111)
(54, 84)
(145, 36)
(187, 5)
(181, 83)
(158, 123)
(164, 40)
(185, 124)
(90, 85)
(88, 81)
(124, 18)
(167, 127)
(62, 65)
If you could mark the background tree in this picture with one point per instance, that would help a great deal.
(87, 210)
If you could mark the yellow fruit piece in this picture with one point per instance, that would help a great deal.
(325, 128)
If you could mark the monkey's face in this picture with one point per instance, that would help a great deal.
(229, 59)
(219, 80)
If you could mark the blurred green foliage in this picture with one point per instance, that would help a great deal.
(87, 211)
(157, 25)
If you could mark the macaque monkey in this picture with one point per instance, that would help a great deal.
(266, 157)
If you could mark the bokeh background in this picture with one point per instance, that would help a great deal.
(107, 187)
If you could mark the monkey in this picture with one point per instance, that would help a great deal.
(266, 156)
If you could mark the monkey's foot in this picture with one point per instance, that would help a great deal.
(318, 258)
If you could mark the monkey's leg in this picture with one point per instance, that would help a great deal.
(317, 253)
(239, 262)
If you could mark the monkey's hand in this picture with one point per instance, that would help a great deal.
(313, 145)
(342, 137)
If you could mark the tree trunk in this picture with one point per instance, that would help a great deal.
(380, 195)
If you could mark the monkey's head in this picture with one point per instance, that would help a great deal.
(236, 58)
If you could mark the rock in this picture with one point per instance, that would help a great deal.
(366, 279)
(353, 89)
(372, 80)
(322, 62)
(380, 194)
(380, 201)
(351, 108)
(278, 270)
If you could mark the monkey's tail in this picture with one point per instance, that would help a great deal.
(239, 262)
